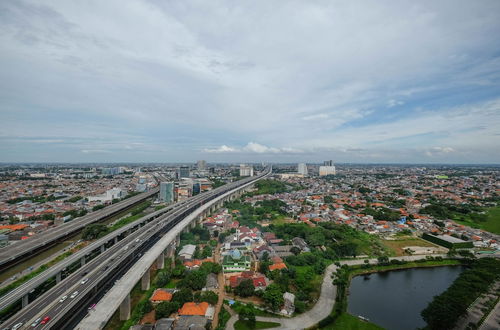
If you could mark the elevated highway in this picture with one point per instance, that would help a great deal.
(17, 252)
(126, 260)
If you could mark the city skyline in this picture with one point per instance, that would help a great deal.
(296, 82)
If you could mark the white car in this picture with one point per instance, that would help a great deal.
(36, 322)
(17, 326)
(74, 294)
(63, 298)
(84, 281)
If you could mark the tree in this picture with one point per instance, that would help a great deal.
(247, 313)
(211, 267)
(144, 307)
(179, 270)
(163, 279)
(245, 288)
(182, 296)
(210, 297)
(195, 280)
(207, 252)
(273, 297)
(383, 260)
(328, 199)
(94, 231)
(295, 250)
(164, 309)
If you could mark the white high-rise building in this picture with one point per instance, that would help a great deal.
(326, 170)
(246, 170)
(302, 169)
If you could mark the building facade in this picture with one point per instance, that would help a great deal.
(302, 169)
(167, 192)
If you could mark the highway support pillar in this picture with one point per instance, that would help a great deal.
(103, 248)
(116, 239)
(82, 261)
(58, 277)
(169, 249)
(160, 262)
(125, 308)
(25, 300)
(145, 281)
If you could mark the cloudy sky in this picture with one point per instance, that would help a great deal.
(278, 81)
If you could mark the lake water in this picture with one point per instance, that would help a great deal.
(394, 299)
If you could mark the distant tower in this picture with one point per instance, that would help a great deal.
(246, 170)
(201, 165)
(184, 172)
(327, 169)
(302, 169)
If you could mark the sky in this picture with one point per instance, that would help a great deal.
(250, 81)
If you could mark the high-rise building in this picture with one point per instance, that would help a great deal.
(167, 192)
(201, 165)
(326, 170)
(111, 170)
(246, 170)
(328, 163)
(184, 172)
(302, 169)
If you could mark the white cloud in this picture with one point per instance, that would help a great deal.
(316, 117)
(392, 103)
(221, 149)
(95, 151)
(259, 148)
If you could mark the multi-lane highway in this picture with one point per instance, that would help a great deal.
(93, 278)
(18, 251)
(27, 287)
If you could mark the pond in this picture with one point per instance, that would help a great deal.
(394, 299)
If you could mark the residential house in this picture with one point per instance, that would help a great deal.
(187, 252)
(212, 282)
(191, 322)
(199, 309)
(161, 295)
(301, 244)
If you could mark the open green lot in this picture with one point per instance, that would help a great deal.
(492, 223)
(397, 246)
(348, 322)
(244, 325)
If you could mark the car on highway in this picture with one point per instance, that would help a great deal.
(63, 298)
(36, 322)
(17, 326)
(84, 281)
(45, 320)
(74, 294)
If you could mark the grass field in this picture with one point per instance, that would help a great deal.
(492, 224)
(397, 246)
(244, 325)
(348, 322)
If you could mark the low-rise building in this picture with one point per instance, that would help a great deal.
(187, 252)
(236, 262)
